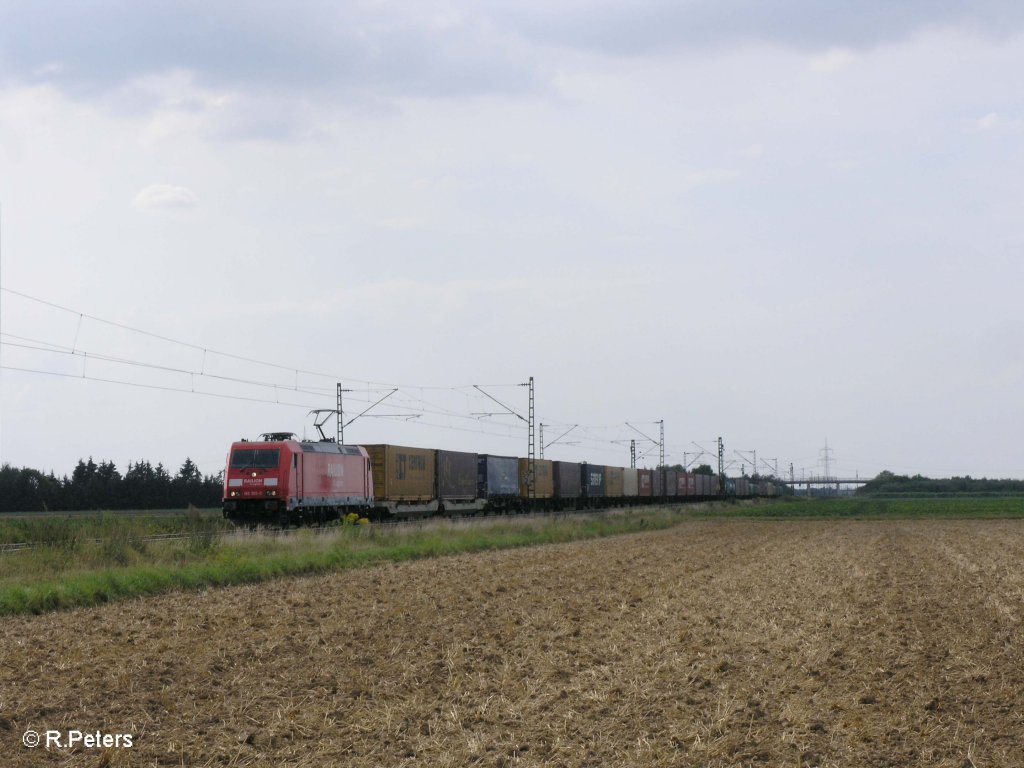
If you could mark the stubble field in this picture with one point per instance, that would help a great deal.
(714, 643)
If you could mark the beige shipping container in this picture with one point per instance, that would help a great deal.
(630, 482)
(544, 478)
(613, 481)
(402, 474)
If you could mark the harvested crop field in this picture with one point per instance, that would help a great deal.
(739, 642)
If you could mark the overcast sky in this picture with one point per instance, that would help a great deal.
(782, 223)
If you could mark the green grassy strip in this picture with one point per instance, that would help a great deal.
(69, 530)
(230, 563)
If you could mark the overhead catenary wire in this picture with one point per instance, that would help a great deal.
(99, 356)
(230, 355)
(598, 438)
(49, 346)
(511, 431)
(41, 345)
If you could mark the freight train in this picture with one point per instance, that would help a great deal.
(283, 481)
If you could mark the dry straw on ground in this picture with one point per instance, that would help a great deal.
(740, 643)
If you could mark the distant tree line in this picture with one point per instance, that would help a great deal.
(102, 486)
(703, 469)
(887, 483)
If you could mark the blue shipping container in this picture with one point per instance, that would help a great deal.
(497, 476)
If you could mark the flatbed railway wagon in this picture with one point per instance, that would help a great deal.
(498, 481)
(670, 483)
(592, 485)
(631, 483)
(567, 484)
(404, 480)
(543, 494)
(457, 483)
(614, 484)
(645, 482)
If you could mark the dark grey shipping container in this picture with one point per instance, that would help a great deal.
(592, 480)
(497, 476)
(567, 480)
(671, 482)
(456, 475)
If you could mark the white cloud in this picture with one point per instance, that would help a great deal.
(994, 122)
(991, 120)
(164, 197)
(833, 60)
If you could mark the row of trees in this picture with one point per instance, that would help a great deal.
(102, 486)
(890, 483)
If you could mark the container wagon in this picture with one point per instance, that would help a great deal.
(567, 484)
(671, 483)
(631, 483)
(645, 482)
(456, 482)
(614, 482)
(592, 484)
(404, 483)
(498, 481)
(543, 481)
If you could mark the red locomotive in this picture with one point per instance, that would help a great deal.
(282, 480)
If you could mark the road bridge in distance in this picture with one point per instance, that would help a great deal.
(826, 481)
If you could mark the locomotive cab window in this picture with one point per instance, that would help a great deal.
(256, 458)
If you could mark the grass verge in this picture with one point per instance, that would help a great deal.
(57, 577)
(68, 529)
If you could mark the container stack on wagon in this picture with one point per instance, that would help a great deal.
(614, 482)
(671, 483)
(404, 479)
(457, 482)
(543, 491)
(568, 483)
(658, 483)
(592, 483)
(644, 482)
(498, 481)
(631, 483)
